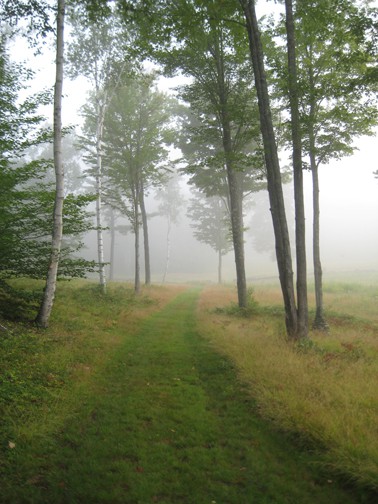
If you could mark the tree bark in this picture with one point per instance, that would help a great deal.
(100, 238)
(320, 322)
(219, 266)
(234, 185)
(281, 233)
(237, 225)
(147, 264)
(112, 244)
(57, 234)
(300, 233)
(137, 244)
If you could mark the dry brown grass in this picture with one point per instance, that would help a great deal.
(327, 390)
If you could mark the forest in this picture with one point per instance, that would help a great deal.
(192, 116)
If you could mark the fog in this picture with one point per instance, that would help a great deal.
(348, 205)
(349, 230)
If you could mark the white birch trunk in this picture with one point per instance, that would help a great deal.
(100, 238)
(57, 234)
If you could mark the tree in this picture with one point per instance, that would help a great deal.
(281, 234)
(172, 200)
(334, 111)
(105, 63)
(296, 137)
(220, 98)
(334, 99)
(49, 292)
(136, 129)
(211, 224)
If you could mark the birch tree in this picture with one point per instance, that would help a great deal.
(104, 63)
(49, 292)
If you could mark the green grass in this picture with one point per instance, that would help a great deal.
(323, 390)
(159, 417)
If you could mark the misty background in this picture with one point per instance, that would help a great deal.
(348, 205)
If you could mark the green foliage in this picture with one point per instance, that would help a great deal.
(137, 131)
(27, 197)
(36, 13)
(336, 49)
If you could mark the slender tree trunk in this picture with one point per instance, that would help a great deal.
(137, 246)
(233, 179)
(300, 233)
(50, 288)
(112, 244)
(320, 322)
(281, 233)
(146, 242)
(168, 255)
(219, 266)
(99, 225)
(236, 203)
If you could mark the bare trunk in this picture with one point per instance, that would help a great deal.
(219, 266)
(146, 242)
(319, 322)
(233, 179)
(57, 234)
(281, 233)
(300, 233)
(236, 204)
(136, 198)
(112, 244)
(137, 241)
(99, 225)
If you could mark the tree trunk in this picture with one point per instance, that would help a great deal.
(233, 179)
(219, 266)
(300, 233)
(137, 243)
(319, 322)
(100, 238)
(281, 233)
(146, 242)
(236, 205)
(112, 244)
(57, 234)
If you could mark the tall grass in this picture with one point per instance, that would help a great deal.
(325, 389)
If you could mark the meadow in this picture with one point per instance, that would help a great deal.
(324, 390)
(176, 396)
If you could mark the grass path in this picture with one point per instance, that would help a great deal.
(166, 420)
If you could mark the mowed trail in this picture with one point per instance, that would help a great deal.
(168, 421)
